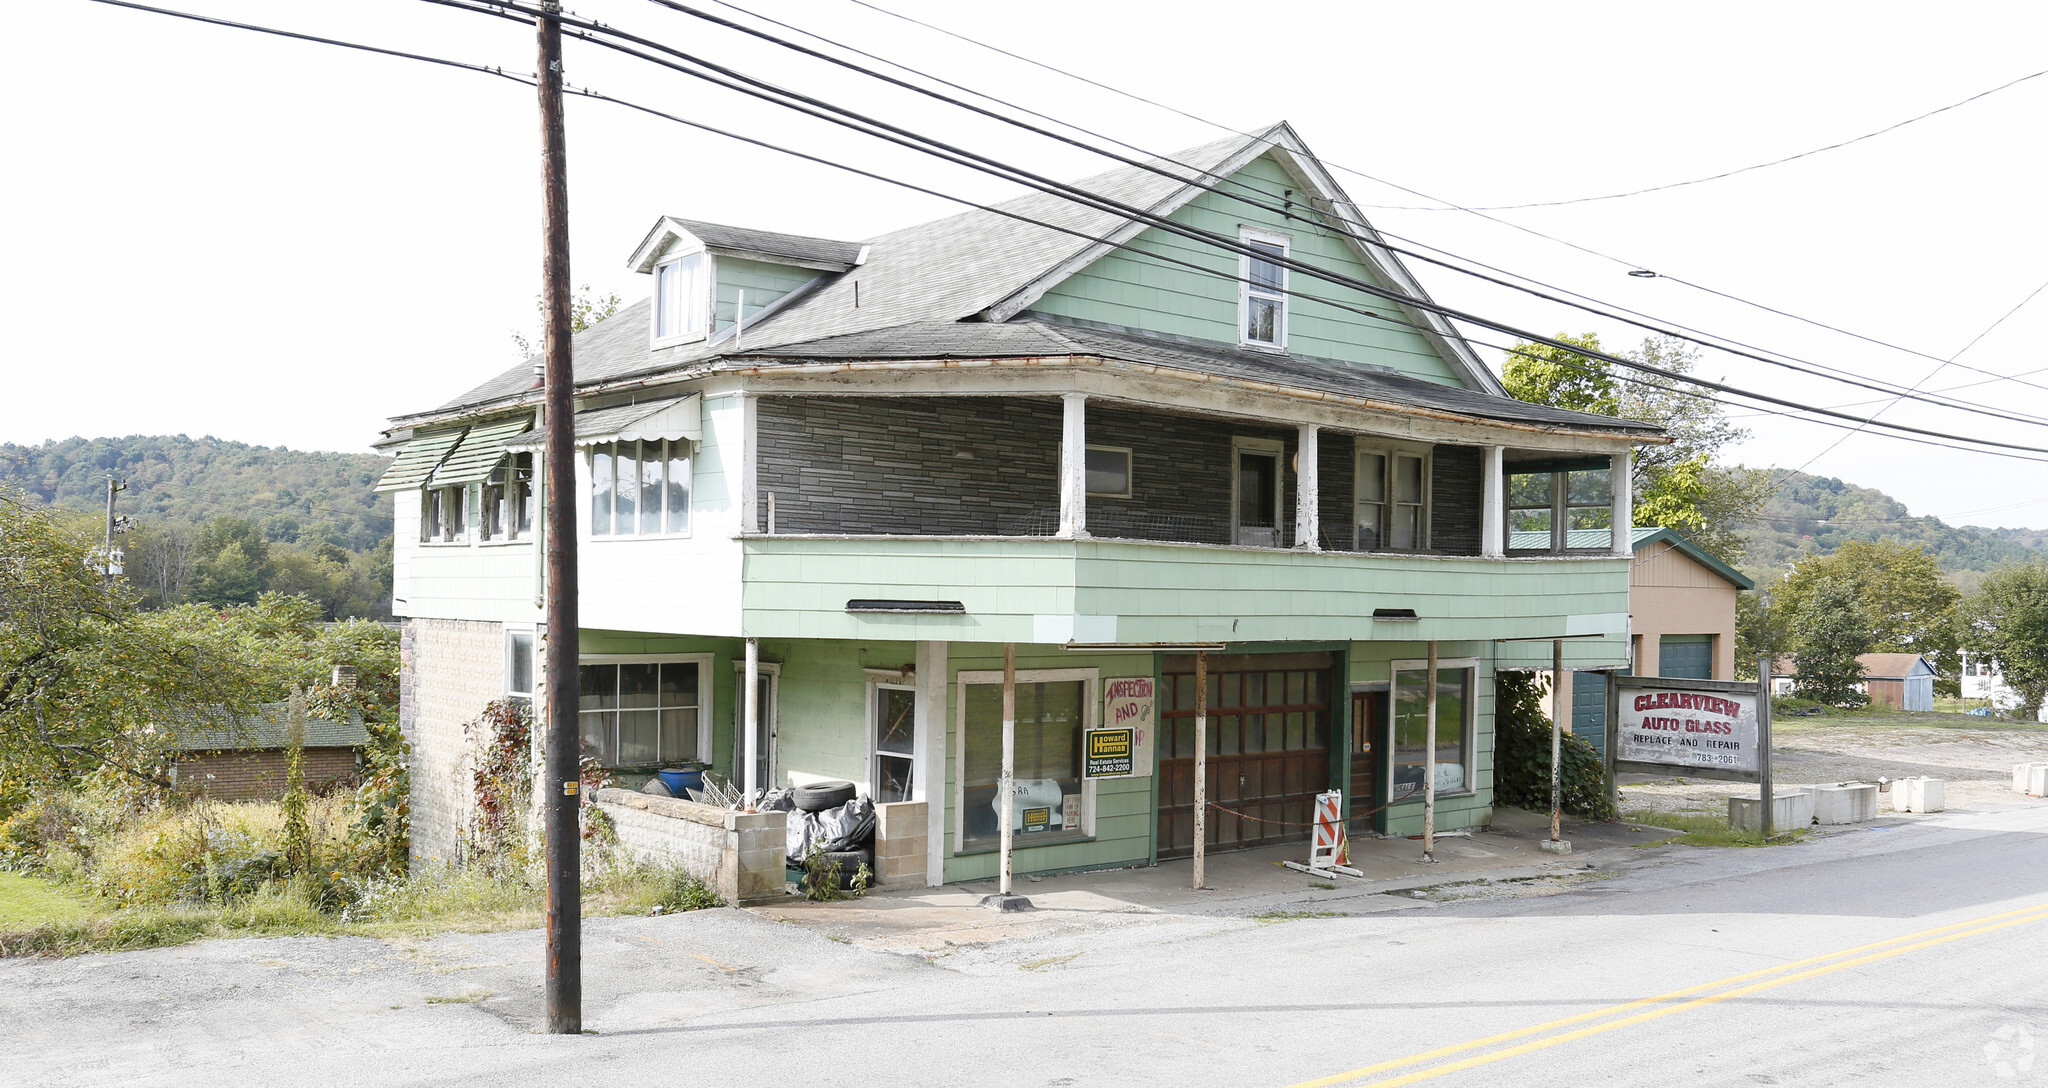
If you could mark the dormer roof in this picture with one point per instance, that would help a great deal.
(775, 247)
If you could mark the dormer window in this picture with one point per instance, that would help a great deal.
(1262, 297)
(680, 302)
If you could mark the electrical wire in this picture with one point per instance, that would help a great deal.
(1718, 342)
(1634, 267)
(1671, 375)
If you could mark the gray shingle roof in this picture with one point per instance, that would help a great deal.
(981, 340)
(796, 247)
(266, 729)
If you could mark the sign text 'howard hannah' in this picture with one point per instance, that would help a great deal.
(1687, 728)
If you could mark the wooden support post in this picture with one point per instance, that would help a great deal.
(1763, 739)
(1201, 765)
(1074, 466)
(1618, 485)
(1493, 538)
(1009, 780)
(1308, 516)
(750, 701)
(1558, 710)
(1429, 757)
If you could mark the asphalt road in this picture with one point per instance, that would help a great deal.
(1909, 956)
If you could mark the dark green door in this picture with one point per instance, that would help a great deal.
(1589, 707)
(1686, 657)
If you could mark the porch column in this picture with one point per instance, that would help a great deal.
(749, 483)
(1493, 507)
(750, 734)
(1074, 466)
(1624, 503)
(1308, 491)
(1429, 757)
(928, 779)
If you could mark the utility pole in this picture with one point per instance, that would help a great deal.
(109, 568)
(564, 984)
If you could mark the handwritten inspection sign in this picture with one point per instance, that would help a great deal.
(1128, 720)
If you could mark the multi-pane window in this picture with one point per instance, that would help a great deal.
(1393, 501)
(895, 753)
(679, 298)
(1264, 293)
(1047, 802)
(640, 714)
(1411, 731)
(519, 647)
(1545, 506)
(640, 488)
(508, 499)
(443, 515)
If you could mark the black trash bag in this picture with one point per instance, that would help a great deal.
(851, 826)
(778, 800)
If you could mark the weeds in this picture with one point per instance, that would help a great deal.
(1273, 917)
(1702, 830)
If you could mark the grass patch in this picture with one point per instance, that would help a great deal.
(468, 997)
(1049, 961)
(1273, 917)
(1704, 830)
(27, 902)
(1322, 886)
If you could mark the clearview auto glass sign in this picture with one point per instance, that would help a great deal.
(1679, 728)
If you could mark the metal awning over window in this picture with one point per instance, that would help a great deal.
(479, 452)
(673, 418)
(420, 457)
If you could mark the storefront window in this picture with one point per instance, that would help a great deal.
(1453, 733)
(640, 714)
(1051, 716)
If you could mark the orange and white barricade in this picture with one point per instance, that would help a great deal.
(1329, 849)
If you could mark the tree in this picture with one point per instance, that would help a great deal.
(2007, 621)
(1831, 634)
(1907, 604)
(585, 310)
(1760, 630)
(1679, 485)
(89, 681)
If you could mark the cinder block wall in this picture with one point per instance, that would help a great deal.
(739, 854)
(259, 774)
(900, 840)
(452, 669)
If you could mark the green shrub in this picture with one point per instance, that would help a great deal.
(1521, 759)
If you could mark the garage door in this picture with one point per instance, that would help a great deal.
(1269, 749)
(1589, 707)
(1686, 657)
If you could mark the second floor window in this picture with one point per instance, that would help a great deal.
(443, 515)
(640, 488)
(1263, 295)
(508, 499)
(1546, 506)
(1393, 501)
(679, 298)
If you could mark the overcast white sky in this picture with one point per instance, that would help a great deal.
(214, 232)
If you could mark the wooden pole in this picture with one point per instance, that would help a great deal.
(1429, 758)
(1009, 784)
(1763, 738)
(564, 982)
(1558, 710)
(1201, 766)
(750, 701)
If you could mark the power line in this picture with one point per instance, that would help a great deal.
(1634, 267)
(1676, 376)
(731, 79)
(1719, 342)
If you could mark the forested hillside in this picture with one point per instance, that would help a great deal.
(1814, 515)
(221, 522)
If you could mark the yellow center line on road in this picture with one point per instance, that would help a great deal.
(2003, 920)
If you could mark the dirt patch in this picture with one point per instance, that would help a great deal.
(1973, 757)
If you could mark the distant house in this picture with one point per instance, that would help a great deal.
(1905, 681)
(246, 761)
(1681, 605)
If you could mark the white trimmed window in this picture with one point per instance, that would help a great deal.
(507, 506)
(1053, 802)
(1392, 508)
(519, 662)
(1456, 717)
(645, 712)
(640, 488)
(1262, 294)
(681, 302)
(444, 515)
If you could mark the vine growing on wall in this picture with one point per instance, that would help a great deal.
(502, 782)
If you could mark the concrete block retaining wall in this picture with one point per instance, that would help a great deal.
(739, 854)
(901, 843)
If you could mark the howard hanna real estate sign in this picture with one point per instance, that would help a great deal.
(1703, 728)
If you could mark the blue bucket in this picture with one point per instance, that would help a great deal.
(679, 780)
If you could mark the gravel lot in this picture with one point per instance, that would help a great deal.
(1973, 756)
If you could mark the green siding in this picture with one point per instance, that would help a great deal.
(763, 283)
(1140, 292)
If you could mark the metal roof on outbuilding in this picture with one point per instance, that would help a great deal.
(267, 729)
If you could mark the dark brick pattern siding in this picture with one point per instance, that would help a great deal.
(1454, 500)
(893, 465)
(1180, 476)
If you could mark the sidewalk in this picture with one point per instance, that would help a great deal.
(1241, 884)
